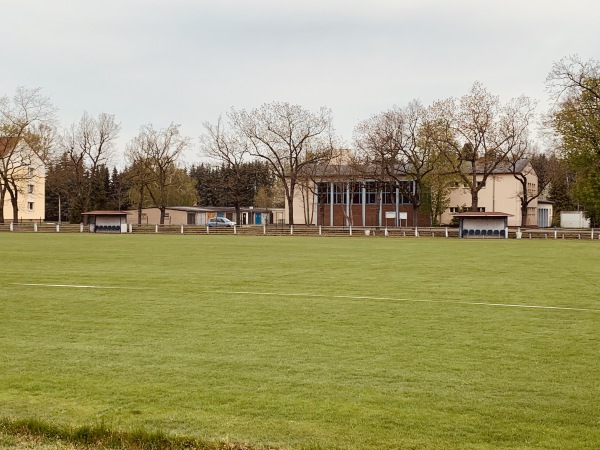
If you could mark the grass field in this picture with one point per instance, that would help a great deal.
(350, 343)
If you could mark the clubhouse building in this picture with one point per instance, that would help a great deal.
(338, 198)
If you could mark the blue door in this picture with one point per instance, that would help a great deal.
(257, 218)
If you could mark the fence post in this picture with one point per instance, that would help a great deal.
(131, 228)
(235, 229)
(416, 232)
(350, 230)
(81, 228)
(10, 227)
(58, 227)
(156, 228)
(265, 229)
(35, 227)
(555, 234)
(320, 230)
(181, 229)
(592, 234)
(446, 231)
(291, 229)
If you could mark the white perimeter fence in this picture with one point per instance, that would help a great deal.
(304, 230)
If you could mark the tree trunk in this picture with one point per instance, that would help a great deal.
(14, 203)
(415, 214)
(2, 197)
(162, 215)
(15, 208)
(290, 198)
(524, 201)
(474, 199)
(140, 205)
(416, 203)
(238, 215)
(378, 207)
(524, 205)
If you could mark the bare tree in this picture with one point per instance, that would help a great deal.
(289, 138)
(26, 138)
(373, 148)
(400, 140)
(575, 121)
(534, 171)
(89, 144)
(477, 133)
(231, 149)
(312, 178)
(139, 176)
(154, 154)
(572, 75)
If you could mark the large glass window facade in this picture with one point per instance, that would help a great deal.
(371, 192)
(388, 192)
(405, 189)
(323, 193)
(339, 194)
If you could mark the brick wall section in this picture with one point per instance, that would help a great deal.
(339, 216)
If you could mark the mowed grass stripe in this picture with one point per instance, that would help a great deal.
(308, 372)
(349, 297)
(393, 299)
(77, 286)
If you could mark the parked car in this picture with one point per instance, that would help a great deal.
(220, 222)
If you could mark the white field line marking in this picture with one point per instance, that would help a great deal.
(352, 297)
(78, 286)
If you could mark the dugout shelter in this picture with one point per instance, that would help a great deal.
(483, 224)
(107, 221)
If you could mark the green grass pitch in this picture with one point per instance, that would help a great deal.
(350, 343)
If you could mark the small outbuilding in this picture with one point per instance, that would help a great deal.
(200, 215)
(545, 211)
(483, 224)
(107, 221)
(574, 219)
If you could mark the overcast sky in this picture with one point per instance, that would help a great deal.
(189, 61)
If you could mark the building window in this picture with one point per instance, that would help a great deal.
(372, 189)
(481, 209)
(405, 190)
(357, 193)
(29, 206)
(454, 209)
(339, 194)
(371, 192)
(30, 172)
(388, 194)
(30, 188)
(323, 193)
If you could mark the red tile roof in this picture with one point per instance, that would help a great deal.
(105, 213)
(482, 214)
